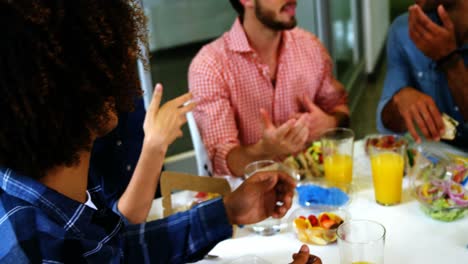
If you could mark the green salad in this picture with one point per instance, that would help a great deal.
(441, 210)
(443, 200)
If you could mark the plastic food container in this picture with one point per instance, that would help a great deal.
(324, 194)
(435, 181)
(317, 225)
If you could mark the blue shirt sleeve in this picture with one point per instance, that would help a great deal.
(398, 71)
(180, 238)
(115, 156)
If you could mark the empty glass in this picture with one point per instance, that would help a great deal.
(361, 242)
(269, 226)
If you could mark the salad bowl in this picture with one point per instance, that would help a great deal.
(436, 185)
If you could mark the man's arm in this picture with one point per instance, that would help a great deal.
(416, 107)
(188, 236)
(214, 113)
(457, 76)
(439, 43)
(401, 107)
(180, 238)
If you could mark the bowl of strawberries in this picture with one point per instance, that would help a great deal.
(317, 225)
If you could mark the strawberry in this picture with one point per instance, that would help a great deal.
(313, 220)
(323, 217)
(201, 195)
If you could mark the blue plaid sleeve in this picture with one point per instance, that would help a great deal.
(180, 238)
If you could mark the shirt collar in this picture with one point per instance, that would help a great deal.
(72, 215)
(237, 38)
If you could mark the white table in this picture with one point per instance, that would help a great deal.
(412, 236)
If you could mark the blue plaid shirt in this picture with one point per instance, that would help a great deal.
(408, 66)
(39, 225)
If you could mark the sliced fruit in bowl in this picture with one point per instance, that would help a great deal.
(317, 225)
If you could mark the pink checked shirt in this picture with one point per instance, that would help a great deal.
(231, 85)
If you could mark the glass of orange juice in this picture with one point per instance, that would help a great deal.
(337, 149)
(388, 165)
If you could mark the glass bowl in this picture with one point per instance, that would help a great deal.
(317, 225)
(321, 193)
(432, 182)
(443, 200)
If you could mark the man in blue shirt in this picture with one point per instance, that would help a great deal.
(68, 68)
(427, 73)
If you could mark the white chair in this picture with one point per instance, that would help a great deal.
(204, 166)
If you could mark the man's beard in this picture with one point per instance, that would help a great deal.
(268, 19)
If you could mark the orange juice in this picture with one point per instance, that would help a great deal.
(387, 173)
(338, 168)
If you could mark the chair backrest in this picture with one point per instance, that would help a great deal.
(204, 167)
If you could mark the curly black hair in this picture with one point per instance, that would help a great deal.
(238, 7)
(64, 65)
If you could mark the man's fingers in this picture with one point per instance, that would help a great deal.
(267, 179)
(444, 17)
(156, 101)
(437, 116)
(410, 126)
(426, 122)
(286, 203)
(285, 128)
(296, 132)
(431, 122)
(286, 182)
(267, 123)
(284, 189)
(308, 104)
(423, 21)
(302, 256)
(418, 119)
(293, 134)
(301, 136)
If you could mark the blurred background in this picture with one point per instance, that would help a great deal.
(353, 31)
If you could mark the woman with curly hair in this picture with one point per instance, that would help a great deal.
(82, 53)
(67, 73)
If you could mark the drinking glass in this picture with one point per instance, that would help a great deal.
(269, 226)
(388, 165)
(361, 242)
(337, 149)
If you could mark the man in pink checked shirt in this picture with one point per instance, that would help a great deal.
(264, 89)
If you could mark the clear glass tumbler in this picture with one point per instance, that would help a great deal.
(361, 242)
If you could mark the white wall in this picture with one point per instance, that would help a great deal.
(178, 22)
(376, 23)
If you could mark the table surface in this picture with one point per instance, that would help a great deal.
(412, 236)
